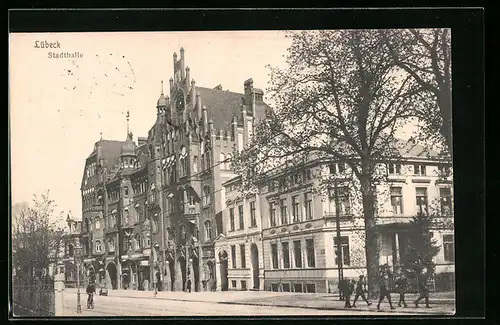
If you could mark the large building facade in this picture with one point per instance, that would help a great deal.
(151, 209)
(295, 231)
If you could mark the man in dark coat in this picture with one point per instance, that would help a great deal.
(402, 286)
(423, 289)
(360, 291)
(348, 290)
(384, 291)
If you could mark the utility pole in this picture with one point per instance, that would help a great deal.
(340, 258)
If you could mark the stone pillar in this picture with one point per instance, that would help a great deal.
(59, 294)
(218, 278)
(396, 242)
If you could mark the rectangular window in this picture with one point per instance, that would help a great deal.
(242, 256)
(231, 218)
(311, 288)
(243, 285)
(286, 255)
(311, 260)
(233, 256)
(233, 283)
(297, 287)
(274, 255)
(449, 248)
(421, 198)
(333, 169)
(394, 169)
(419, 169)
(286, 287)
(297, 252)
(344, 251)
(272, 214)
(343, 199)
(308, 201)
(274, 287)
(126, 191)
(253, 217)
(283, 212)
(240, 214)
(397, 200)
(445, 198)
(295, 209)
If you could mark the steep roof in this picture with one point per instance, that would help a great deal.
(221, 105)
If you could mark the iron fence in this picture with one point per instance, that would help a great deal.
(33, 298)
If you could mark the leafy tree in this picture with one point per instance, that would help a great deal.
(422, 246)
(425, 55)
(36, 237)
(341, 98)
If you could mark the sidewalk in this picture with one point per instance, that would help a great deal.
(443, 302)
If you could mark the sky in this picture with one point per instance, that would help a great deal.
(59, 106)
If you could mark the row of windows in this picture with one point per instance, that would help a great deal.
(134, 243)
(241, 217)
(290, 180)
(281, 257)
(91, 170)
(300, 210)
(421, 200)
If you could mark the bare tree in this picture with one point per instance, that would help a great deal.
(36, 237)
(341, 98)
(425, 55)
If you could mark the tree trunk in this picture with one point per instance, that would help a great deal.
(444, 103)
(372, 236)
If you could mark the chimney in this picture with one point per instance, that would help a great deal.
(248, 86)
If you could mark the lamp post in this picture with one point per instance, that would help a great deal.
(338, 243)
(78, 253)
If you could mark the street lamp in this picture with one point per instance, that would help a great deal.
(78, 254)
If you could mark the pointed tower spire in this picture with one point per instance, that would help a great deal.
(129, 134)
(101, 136)
(162, 87)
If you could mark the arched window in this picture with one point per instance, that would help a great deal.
(182, 161)
(97, 223)
(98, 247)
(183, 232)
(70, 250)
(208, 230)
(137, 242)
(228, 161)
(195, 164)
(111, 245)
(87, 227)
(206, 195)
(126, 217)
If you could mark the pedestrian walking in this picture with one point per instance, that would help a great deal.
(384, 291)
(360, 291)
(402, 286)
(349, 289)
(423, 289)
(90, 293)
(188, 285)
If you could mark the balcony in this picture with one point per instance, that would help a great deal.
(190, 211)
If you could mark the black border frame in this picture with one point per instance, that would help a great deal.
(468, 57)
